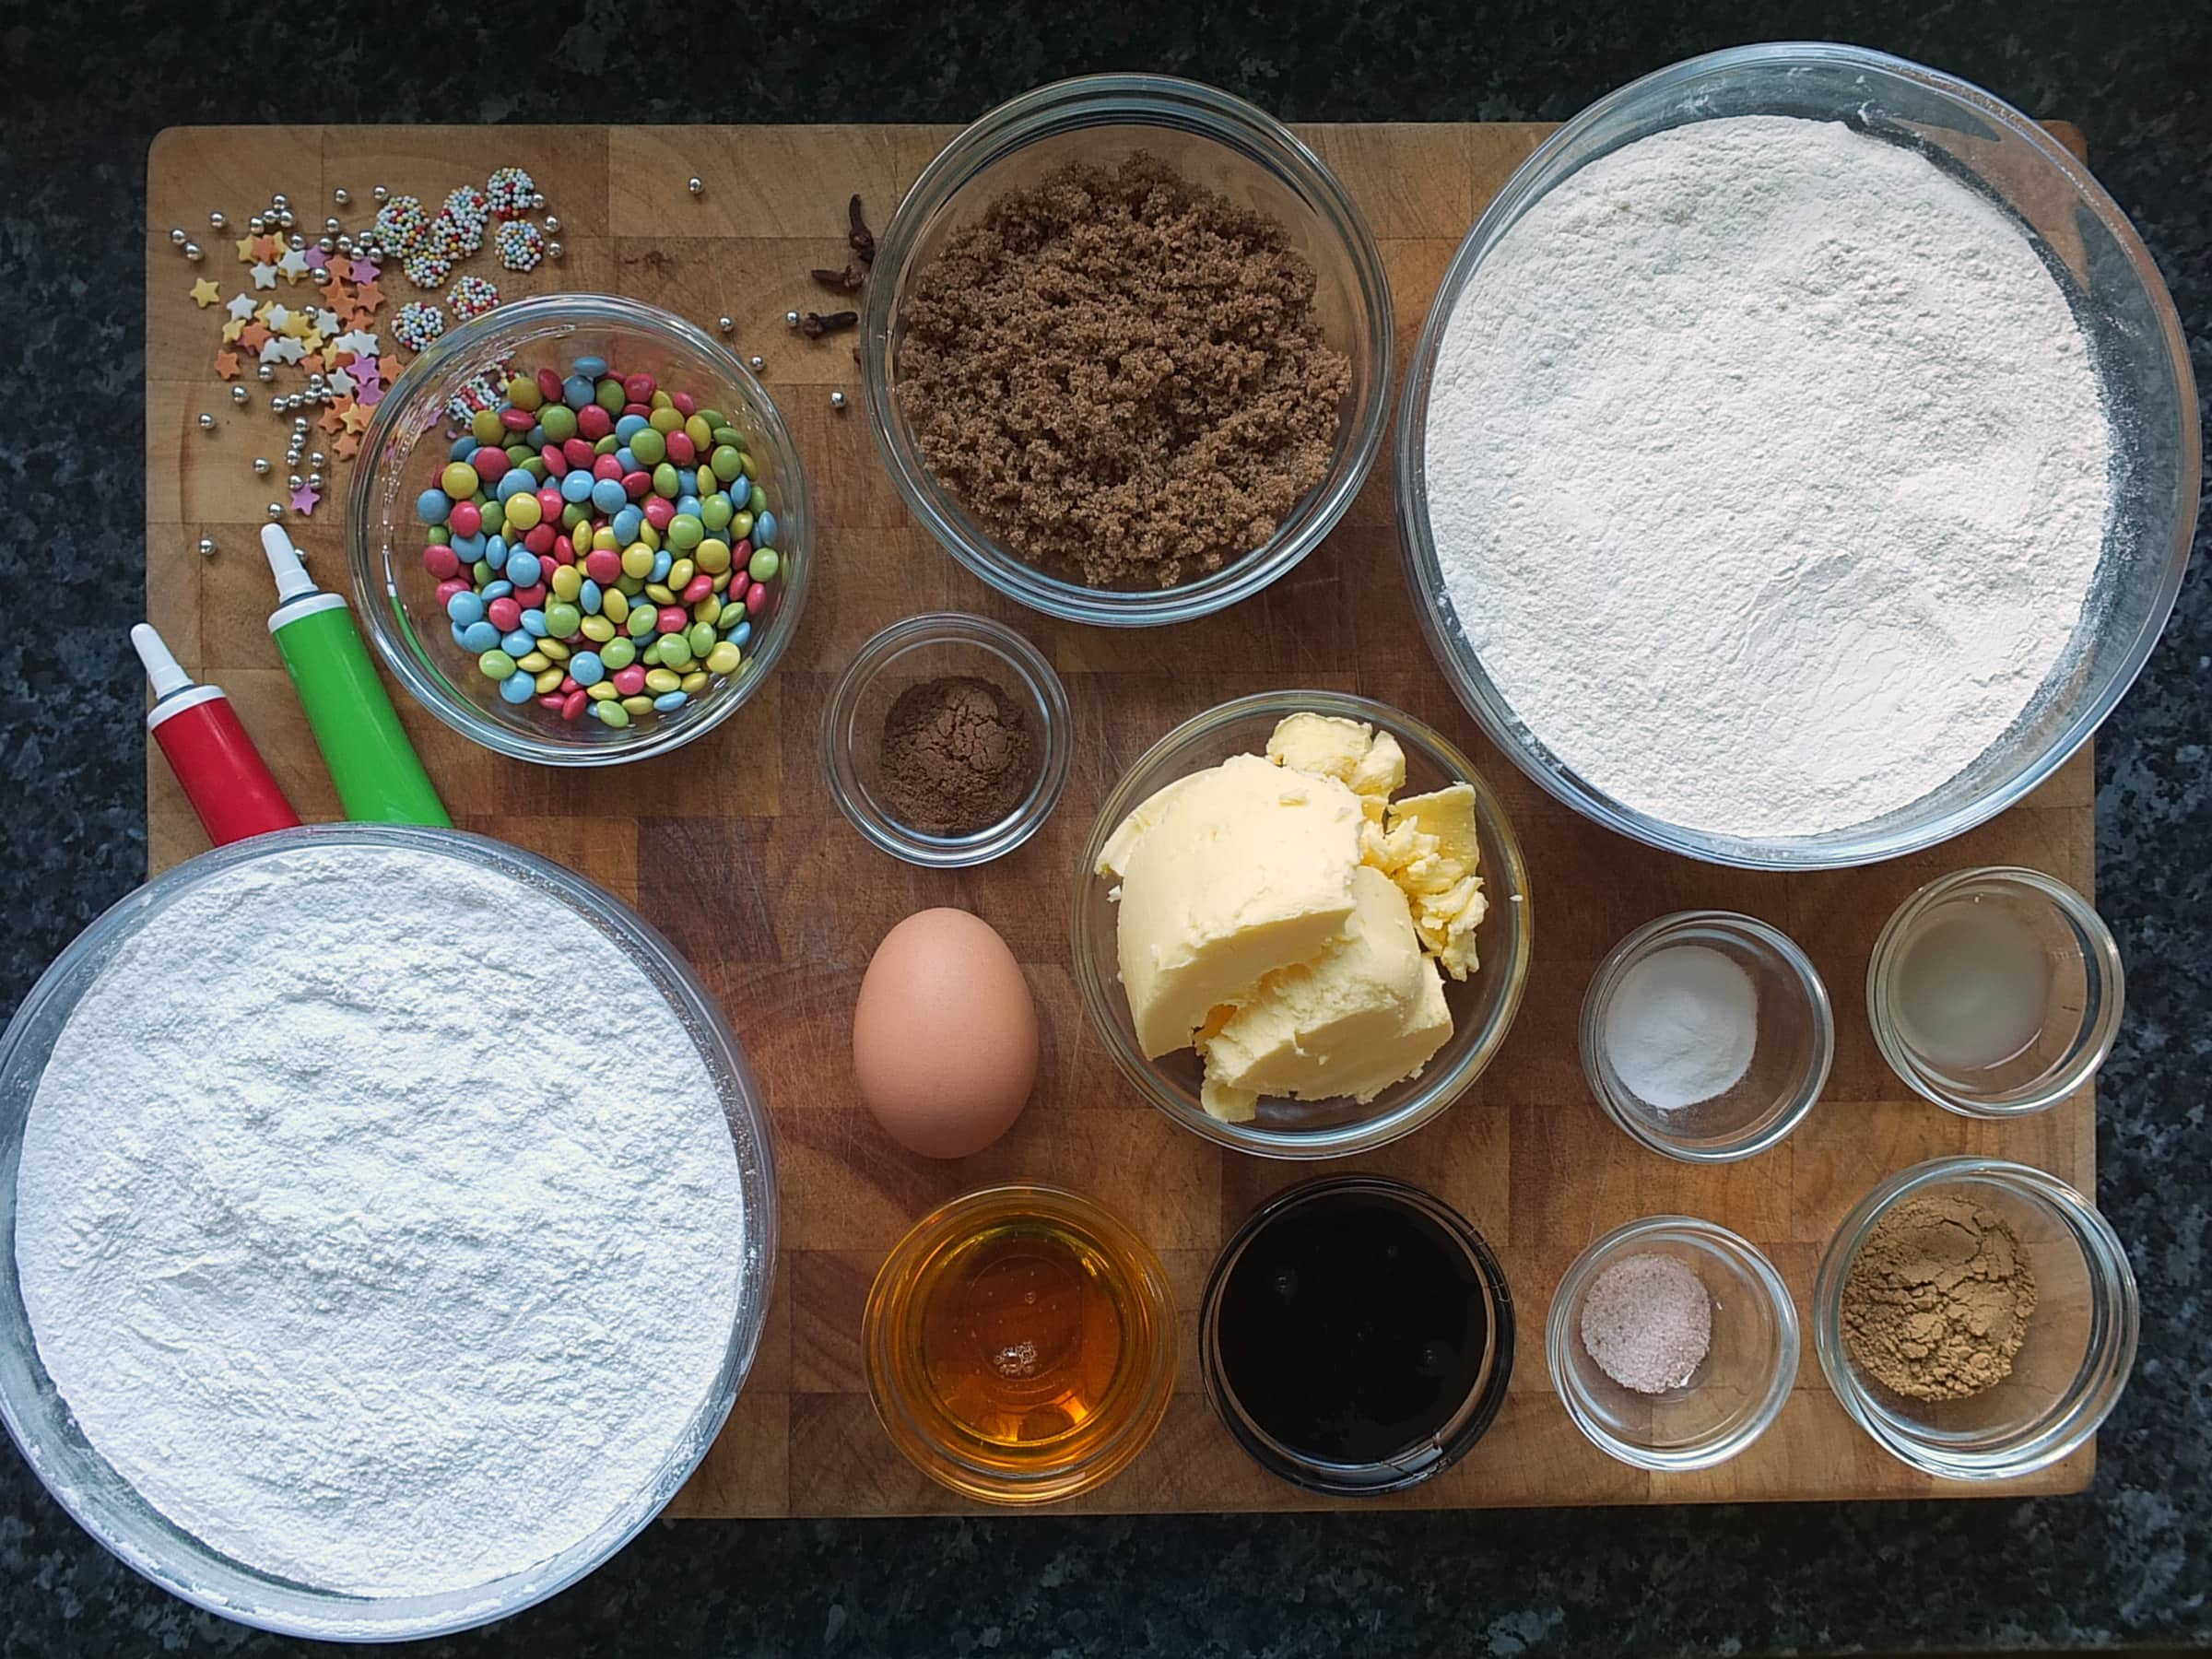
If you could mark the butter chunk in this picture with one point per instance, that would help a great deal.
(1372, 767)
(1238, 870)
(1430, 847)
(1366, 1013)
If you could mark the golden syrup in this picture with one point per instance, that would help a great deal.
(1021, 1344)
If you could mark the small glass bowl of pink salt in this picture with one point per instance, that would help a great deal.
(1673, 1344)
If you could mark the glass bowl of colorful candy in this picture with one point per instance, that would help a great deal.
(579, 531)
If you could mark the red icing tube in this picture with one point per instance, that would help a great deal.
(223, 774)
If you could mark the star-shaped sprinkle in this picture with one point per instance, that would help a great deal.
(276, 317)
(253, 337)
(344, 446)
(293, 264)
(298, 325)
(368, 295)
(317, 261)
(312, 341)
(326, 320)
(368, 394)
(304, 499)
(245, 249)
(333, 417)
(206, 293)
(359, 343)
(226, 365)
(287, 347)
(272, 349)
(267, 250)
(363, 271)
(241, 306)
(341, 382)
(355, 419)
(231, 330)
(265, 276)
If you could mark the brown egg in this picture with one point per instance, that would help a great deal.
(945, 1035)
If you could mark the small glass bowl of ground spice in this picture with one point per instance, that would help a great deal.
(1978, 1318)
(1707, 1035)
(1126, 349)
(948, 740)
(1673, 1343)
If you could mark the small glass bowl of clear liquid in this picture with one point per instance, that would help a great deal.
(1996, 991)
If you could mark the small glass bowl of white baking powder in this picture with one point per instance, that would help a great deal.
(2135, 345)
(1706, 1036)
(132, 1528)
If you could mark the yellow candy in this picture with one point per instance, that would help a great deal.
(604, 540)
(598, 630)
(535, 662)
(566, 581)
(707, 610)
(662, 680)
(723, 658)
(699, 432)
(554, 649)
(602, 692)
(664, 418)
(550, 679)
(649, 537)
(637, 560)
(660, 400)
(637, 705)
(522, 510)
(680, 572)
(660, 592)
(712, 555)
(614, 604)
(695, 682)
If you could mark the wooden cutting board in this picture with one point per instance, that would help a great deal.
(732, 849)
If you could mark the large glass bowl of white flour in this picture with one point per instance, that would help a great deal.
(1799, 461)
(389, 1224)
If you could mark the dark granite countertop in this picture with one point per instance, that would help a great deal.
(2129, 1563)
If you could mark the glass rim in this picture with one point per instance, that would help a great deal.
(1126, 100)
(2101, 965)
(1838, 849)
(541, 316)
(1795, 1106)
(2115, 1325)
(838, 752)
(1097, 982)
(1712, 1240)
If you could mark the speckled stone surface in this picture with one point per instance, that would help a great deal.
(2130, 1563)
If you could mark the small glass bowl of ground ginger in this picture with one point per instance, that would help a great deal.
(1978, 1318)
(1126, 349)
(948, 740)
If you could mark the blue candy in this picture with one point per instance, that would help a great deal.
(431, 506)
(590, 598)
(593, 368)
(496, 590)
(627, 523)
(688, 503)
(534, 623)
(630, 425)
(586, 668)
(625, 460)
(577, 391)
(576, 486)
(687, 482)
(607, 495)
(464, 609)
(671, 699)
(478, 638)
(742, 634)
(469, 548)
(518, 643)
(515, 482)
(518, 688)
(523, 568)
(536, 438)
(464, 447)
(764, 523)
(661, 561)
(460, 634)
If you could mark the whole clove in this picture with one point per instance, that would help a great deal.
(846, 281)
(862, 239)
(814, 325)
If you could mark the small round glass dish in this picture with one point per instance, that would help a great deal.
(1793, 1045)
(1736, 1391)
(1214, 140)
(110, 1509)
(908, 653)
(406, 442)
(1996, 993)
(2079, 1346)
(1482, 1006)
(1021, 1344)
(2134, 340)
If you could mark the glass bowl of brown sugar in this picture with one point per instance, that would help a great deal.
(1126, 349)
(948, 740)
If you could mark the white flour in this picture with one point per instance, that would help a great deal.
(378, 1220)
(1767, 472)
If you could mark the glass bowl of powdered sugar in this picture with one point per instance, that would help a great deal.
(1706, 1036)
(358, 1278)
(1799, 461)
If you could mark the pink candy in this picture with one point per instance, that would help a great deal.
(630, 681)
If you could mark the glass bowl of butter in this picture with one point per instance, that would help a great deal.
(1301, 925)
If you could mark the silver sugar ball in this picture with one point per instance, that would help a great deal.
(837, 400)
(280, 200)
(191, 250)
(345, 244)
(297, 242)
(206, 423)
(215, 221)
(238, 395)
(316, 459)
(554, 250)
(314, 480)
(726, 323)
(342, 196)
(261, 467)
(696, 186)
(295, 482)
(381, 196)
(276, 511)
(552, 224)
(791, 319)
(286, 218)
(206, 547)
(300, 425)
(326, 244)
(330, 226)
(265, 371)
(177, 237)
(257, 224)
(538, 201)
(757, 363)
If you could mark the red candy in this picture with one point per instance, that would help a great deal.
(490, 464)
(539, 539)
(578, 452)
(755, 596)
(672, 619)
(442, 563)
(642, 410)
(630, 681)
(572, 704)
(635, 485)
(466, 519)
(604, 566)
(548, 385)
(505, 613)
(557, 464)
(567, 683)
(659, 512)
(549, 504)
(698, 588)
(449, 587)
(607, 466)
(529, 598)
(681, 449)
(517, 420)
(638, 388)
(564, 550)
(594, 421)
(684, 404)
(551, 700)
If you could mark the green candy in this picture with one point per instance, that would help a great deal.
(763, 565)
(561, 620)
(727, 462)
(619, 652)
(536, 467)
(701, 639)
(611, 714)
(573, 514)
(607, 445)
(610, 396)
(641, 621)
(741, 526)
(716, 420)
(684, 532)
(496, 665)
(438, 537)
(481, 571)
(559, 422)
(715, 512)
(648, 447)
(666, 484)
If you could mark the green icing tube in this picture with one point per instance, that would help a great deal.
(379, 776)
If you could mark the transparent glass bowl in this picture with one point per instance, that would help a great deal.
(1795, 1044)
(2059, 938)
(946, 1449)
(1737, 1390)
(2135, 337)
(2081, 1340)
(1214, 140)
(1482, 1006)
(108, 1508)
(922, 648)
(398, 597)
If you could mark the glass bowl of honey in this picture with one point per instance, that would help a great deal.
(1020, 1345)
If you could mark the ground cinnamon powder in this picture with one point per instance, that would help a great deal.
(1936, 1303)
(1121, 375)
(955, 757)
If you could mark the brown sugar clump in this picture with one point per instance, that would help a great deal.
(1121, 376)
(1936, 1303)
